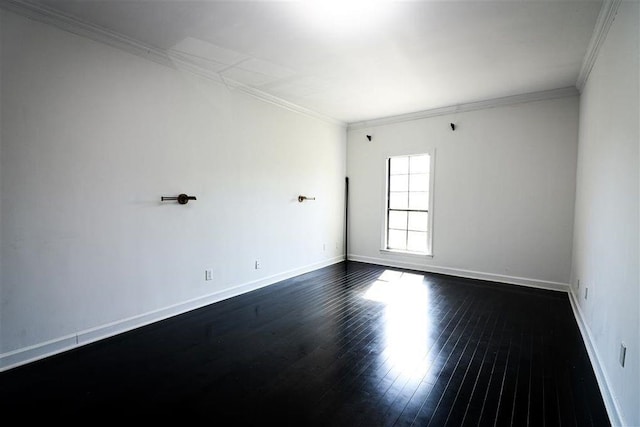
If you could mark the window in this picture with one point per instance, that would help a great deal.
(408, 204)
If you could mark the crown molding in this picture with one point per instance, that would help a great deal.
(606, 17)
(266, 97)
(470, 106)
(44, 14)
(47, 15)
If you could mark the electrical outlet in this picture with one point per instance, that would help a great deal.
(623, 353)
(586, 293)
(258, 264)
(208, 274)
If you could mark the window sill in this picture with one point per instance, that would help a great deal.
(406, 254)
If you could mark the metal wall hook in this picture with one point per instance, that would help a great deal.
(183, 199)
(303, 198)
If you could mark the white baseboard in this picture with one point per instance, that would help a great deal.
(610, 402)
(39, 351)
(512, 280)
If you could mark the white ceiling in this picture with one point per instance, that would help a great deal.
(366, 59)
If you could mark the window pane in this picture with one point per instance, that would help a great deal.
(408, 189)
(419, 200)
(418, 221)
(398, 200)
(397, 239)
(419, 164)
(417, 241)
(419, 182)
(399, 183)
(398, 220)
(399, 166)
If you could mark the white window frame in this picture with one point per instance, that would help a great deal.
(385, 204)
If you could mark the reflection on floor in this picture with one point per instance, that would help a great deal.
(348, 345)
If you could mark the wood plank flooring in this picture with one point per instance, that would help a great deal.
(352, 344)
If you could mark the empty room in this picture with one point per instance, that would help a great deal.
(320, 213)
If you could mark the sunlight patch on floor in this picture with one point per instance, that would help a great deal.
(406, 321)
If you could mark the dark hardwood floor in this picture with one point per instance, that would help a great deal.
(348, 345)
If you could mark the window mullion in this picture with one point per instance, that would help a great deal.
(406, 243)
(388, 198)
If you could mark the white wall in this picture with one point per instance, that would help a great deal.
(607, 216)
(92, 137)
(504, 191)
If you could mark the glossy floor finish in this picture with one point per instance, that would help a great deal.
(349, 345)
